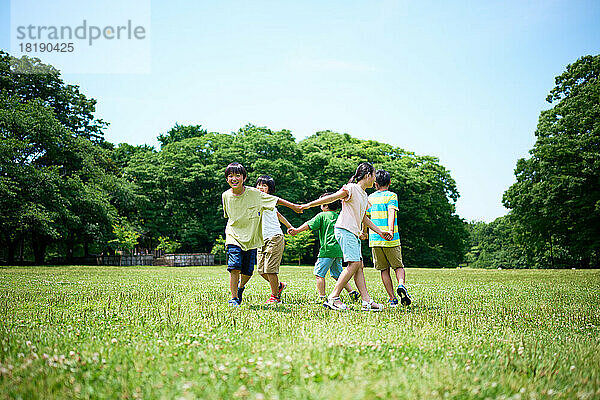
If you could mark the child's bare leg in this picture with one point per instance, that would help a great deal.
(344, 278)
(234, 277)
(348, 286)
(243, 280)
(265, 277)
(401, 275)
(387, 283)
(320, 285)
(274, 282)
(361, 284)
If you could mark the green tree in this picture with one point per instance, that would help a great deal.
(431, 232)
(495, 245)
(122, 154)
(180, 132)
(218, 249)
(28, 79)
(125, 237)
(555, 203)
(57, 185)
(183, 182)
(298, 246)
(167, 245)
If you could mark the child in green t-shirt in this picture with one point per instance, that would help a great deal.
(243, 207)
(330, 253)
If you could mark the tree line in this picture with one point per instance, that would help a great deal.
(554, 218)
(67, 192)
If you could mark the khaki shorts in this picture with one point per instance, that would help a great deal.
(269, 256)
(386, 257)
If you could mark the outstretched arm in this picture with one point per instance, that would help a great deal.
(340, 194)
(386, 235)
(283, 220)
(288, 204)
(294, 231)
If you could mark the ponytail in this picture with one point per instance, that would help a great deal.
(363, 169)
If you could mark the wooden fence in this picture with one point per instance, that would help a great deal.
(185, 260)
(129, 260)
(170, 260)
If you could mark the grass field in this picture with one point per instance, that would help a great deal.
(154, 332)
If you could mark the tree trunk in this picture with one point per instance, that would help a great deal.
(10, 256)
(39, 251)
(22, 249)
(551, 252)
(70, 243)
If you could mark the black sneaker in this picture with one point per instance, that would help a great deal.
(405, 299)
(354, 295)
(240, 293)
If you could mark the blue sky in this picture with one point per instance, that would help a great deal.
(464, 81)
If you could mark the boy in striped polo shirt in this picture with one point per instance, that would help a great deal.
(387, 254)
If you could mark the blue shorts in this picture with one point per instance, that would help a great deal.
(244, 261)
(333, 265)
(350, 244)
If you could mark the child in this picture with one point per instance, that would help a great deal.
(386, 254)
(330, 253)
(347, 232)
(269, 255)
(243, 207)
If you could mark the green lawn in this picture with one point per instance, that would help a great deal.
(155, 332)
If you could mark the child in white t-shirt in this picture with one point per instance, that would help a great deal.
(270, 254)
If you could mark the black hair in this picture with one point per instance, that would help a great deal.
(267, 180)
(363, 170)
(235, 168)
(336, 205)
(382, 177)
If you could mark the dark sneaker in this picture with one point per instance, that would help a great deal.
(405, 299)
(393, 302)
(234, 303)
(282, 286)
(240, 294)
(354, 295)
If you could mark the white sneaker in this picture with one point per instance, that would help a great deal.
(371, 306)
(335, 304)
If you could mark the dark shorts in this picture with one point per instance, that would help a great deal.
(243, 261)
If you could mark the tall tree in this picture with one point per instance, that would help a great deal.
(495, 245)
(53, 184)
(431, 232)
(29, 78)
(180, 132)
(183, 182)
(555, 202)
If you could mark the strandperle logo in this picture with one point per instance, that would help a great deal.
(91, 33)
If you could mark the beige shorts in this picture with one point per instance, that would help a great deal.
(387, 257)
(269, 256)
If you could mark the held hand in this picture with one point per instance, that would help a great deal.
(292, 231)
(298, 208)
(363, 236)
(303, 207)
(387, 235)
